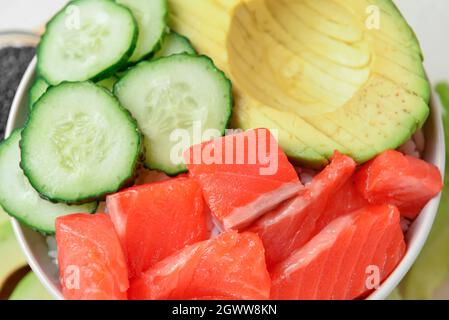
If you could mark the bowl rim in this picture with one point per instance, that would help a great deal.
(413, 248)
(18, 38)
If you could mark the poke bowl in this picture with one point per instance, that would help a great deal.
(36, 246)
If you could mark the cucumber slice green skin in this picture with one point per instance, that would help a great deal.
(115, 66)
(122, 126)
(152, 143)
(38, 88)
(20, 200)
(153, 41)
(174, 43)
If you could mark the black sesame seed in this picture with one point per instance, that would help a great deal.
(13, 63)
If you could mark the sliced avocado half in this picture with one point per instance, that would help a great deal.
(329, 75)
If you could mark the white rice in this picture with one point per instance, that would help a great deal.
(415, 146)
(52, 249)
(306, 175)
(405, 224)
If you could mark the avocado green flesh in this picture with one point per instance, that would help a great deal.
(293, 144)
(313, 70)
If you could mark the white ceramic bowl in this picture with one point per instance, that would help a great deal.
(35, 246)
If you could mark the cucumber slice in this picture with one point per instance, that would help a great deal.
(174, 43)
(20, 200)
(108, 83)
(88, 39)
(38, 88)
(79, 144)
(151, 17)
(176, 92)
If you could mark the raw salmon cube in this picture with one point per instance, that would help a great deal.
(348, 259)
(345, 200)
(91, 262)
(243, 176)
(292, 224)
(231, 266)
(155, 220)
(405, 181)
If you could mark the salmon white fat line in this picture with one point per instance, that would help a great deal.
(262, 150)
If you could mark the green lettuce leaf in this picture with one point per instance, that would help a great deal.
(30, 288)
(431, 270)
(443, 91)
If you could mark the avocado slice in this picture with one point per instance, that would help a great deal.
(30, 288)
(12, 256)
(313, 70)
